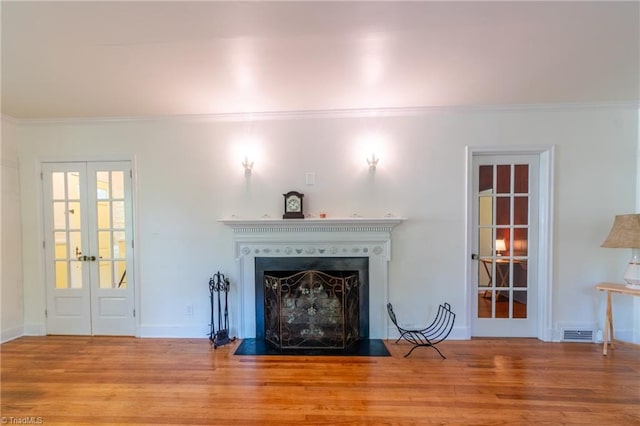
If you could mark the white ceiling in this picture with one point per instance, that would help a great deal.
(129, 59)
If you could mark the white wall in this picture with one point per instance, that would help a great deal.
(12, 316)
(189, 175)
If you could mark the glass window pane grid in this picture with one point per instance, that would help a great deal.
(117, 185)
(518, 175)
(75, 268)
(61, 274)
(73, 186)
(112, 222)
(102, 185)
(66, 226)
(105, 274)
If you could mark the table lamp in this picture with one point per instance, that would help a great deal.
(625, 233)
(500, 247)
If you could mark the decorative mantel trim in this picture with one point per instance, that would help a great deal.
(352, 224)
(335, 237)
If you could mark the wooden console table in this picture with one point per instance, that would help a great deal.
(608, 324)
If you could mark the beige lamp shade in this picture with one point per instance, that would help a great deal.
(500, 245)
(625, 232)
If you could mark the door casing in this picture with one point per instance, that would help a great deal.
(545, 154)
(41, 329)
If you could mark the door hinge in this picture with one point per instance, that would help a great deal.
(46, 314)
(44, 244)
(131, 174)
(134, 313)
(41, 176)
(131, 243)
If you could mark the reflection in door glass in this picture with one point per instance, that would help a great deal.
(119, 245)
(60, 215)
(503, 210)
(121, 273)
(520, 238)
(521, 179)
(76, 273)
(102, 183)
(57, 183)
(73, 186)
(104, 244)
(75, 248)
(485, 181)
(520, 210)
(60, 240)
(503, 179)
(118, 214)
(502, 305)
(106, 280)
(104, 217)
(520, 304)
(74, 215)
(117, 184)
(61, 274)
(486, 211)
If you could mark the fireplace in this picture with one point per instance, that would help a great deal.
(273, 243)
(311, 309)
(307, 302)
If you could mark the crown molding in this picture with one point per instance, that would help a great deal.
(328, 113)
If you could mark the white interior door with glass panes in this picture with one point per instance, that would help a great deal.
(88, 243)
(505, 206)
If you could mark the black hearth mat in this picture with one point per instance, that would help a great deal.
(364, 347)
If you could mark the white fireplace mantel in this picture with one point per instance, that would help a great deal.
(329, 237)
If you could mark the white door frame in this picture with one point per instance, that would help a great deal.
(41, 328)
(545, 232)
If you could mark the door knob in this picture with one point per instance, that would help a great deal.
(86, 258)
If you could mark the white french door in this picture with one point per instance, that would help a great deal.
(504, 243)
(88, 244)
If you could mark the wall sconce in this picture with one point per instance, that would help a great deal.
(500, 247)
(248, 166)
(372, 162)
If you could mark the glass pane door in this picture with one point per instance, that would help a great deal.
(88, 240)
(504, 193)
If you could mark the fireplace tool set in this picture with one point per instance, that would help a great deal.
(219, 284)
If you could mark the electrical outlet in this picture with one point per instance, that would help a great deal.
(189, 309)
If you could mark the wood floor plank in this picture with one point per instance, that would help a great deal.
(108, 380)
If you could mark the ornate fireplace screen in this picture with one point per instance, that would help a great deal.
(312, 309)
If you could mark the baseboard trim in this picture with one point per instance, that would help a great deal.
(11, 333)
(35, 329)
(171, 331)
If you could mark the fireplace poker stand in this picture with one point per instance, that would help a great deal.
(219, 284)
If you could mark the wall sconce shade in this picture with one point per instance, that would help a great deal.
(372, 161)
(625, 233)
(248, 166)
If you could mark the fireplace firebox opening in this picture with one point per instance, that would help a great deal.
(312, 302)
(311, 309)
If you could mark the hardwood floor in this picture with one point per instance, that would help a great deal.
(108, 380)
